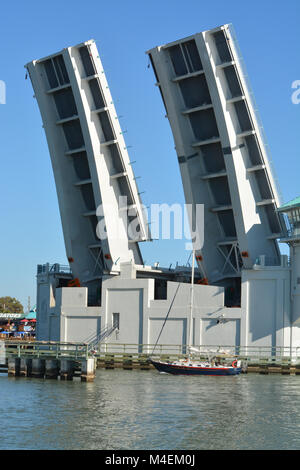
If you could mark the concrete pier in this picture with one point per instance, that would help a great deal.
(14, 366)
(38, 368)
(51, 369)
(25, 367)
(88, 369)
(66, 369)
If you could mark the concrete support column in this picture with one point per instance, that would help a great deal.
(88, 369)
(14, 366)
(52, 369)
(66, 369)
(25, 367)
(38, 368)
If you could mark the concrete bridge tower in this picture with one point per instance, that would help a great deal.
(90, 162)
(221, 151)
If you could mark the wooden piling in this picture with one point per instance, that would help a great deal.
(109, 361)
(38, 368)
(14, 366)
(66, 369)
(25, 367)
(51, 369)
(127, 361)
(285, 369)
(263, 369)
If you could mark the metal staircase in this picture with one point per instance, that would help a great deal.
(94, 340)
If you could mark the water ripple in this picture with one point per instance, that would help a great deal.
(147, 410)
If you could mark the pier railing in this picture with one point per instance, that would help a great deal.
(252, 354)
(57, 350)
(46, 349)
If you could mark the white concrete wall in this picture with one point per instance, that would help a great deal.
(78, 322)
(65, 317)
(141, 316)
(267, 307)
(263, 320)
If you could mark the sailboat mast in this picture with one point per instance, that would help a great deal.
(192, 302)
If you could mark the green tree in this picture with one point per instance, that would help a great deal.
(10, 305)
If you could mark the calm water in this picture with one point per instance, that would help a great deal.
(148, 410)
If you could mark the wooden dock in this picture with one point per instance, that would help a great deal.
(68, 360)
(48, 360)
(141, 362)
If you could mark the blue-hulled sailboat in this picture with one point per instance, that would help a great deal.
(190, 366)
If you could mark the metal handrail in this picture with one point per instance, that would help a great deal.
(47, 349)
(78, 350)
(252, 352)
(94, 341)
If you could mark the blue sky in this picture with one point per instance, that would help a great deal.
(268, 33)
